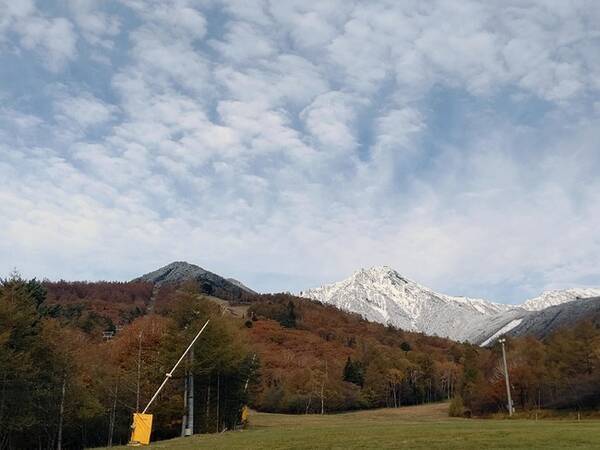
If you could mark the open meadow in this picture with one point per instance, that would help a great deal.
(418, 427)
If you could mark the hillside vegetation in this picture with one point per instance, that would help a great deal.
(294, 356)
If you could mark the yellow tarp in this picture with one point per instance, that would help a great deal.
(245, 415)
(142, 427)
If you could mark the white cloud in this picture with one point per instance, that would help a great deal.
(11, 12)
(52, 38)
(97, 27)
(165, 59)
(174, 17)
(244, 43)
(311, 26)
(331, 120)
(456, 142)
(395, 128)
(287, 80)
(85, 110)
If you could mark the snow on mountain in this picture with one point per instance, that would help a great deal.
(382, 295)
(505, 329)
(552, 298)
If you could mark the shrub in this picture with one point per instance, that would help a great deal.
(457, 408)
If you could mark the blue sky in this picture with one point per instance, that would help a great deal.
(289, 143)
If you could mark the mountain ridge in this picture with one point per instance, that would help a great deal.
(558, 297)
(382, 295)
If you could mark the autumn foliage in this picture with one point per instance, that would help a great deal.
(334, 361)
(61, 380)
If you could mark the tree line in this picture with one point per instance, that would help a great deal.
(62, 385)
(561, 372)
(329, 360)
(318, 359)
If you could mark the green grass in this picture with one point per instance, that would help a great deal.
(422, 427)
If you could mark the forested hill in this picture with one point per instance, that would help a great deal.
(390, 367)
(295, 354)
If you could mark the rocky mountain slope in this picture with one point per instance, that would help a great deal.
(520, 322)
(241, 285)
(382, 295)
(208, 282)
(558, 297)
(542, 323)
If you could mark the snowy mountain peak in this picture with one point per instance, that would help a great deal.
(382, 295)
(379, 274)
(379, 270)
(558, 297)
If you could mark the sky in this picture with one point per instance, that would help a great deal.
(289, 143)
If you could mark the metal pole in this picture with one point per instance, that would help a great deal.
(170, 374)
(184, 420)
(248, 379)
(139, 372)
(510, 403)
(190, 401)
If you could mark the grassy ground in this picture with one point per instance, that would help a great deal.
(421, 427)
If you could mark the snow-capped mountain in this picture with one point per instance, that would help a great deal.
(552, 298)
(382, 295)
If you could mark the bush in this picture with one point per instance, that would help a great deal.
(457, 407)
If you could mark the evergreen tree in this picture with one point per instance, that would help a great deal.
(39, 374)
(289, 318)
(353, 372)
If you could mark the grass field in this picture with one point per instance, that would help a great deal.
(420, 427)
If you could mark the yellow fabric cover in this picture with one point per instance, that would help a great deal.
(142, 427)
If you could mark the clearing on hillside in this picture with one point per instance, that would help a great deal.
(415, 427)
